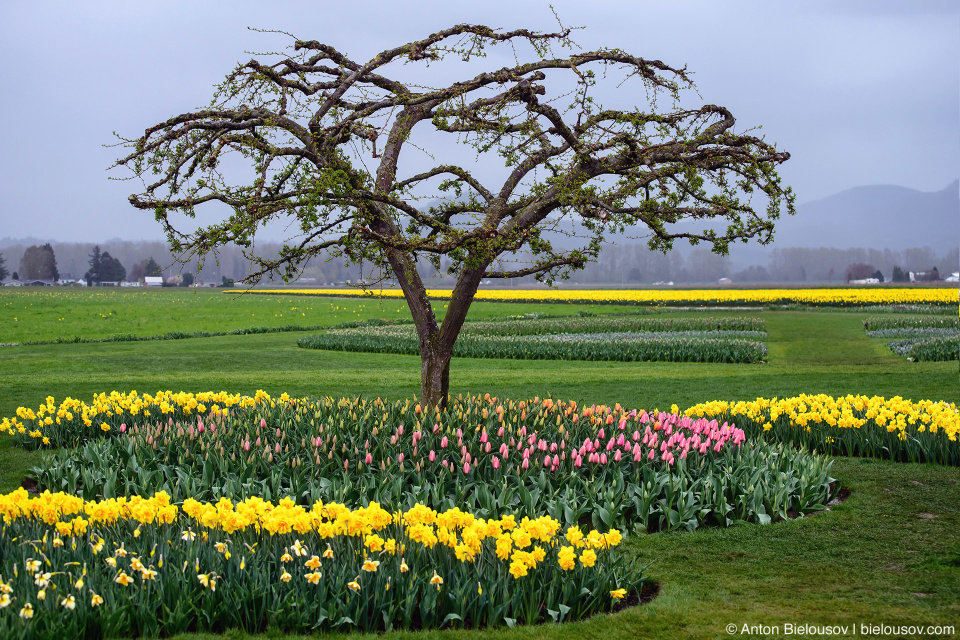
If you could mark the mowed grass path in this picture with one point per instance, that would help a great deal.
(890, 554)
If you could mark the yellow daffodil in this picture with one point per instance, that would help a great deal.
(354, 585)
(286, 557)
(69, 602)
(312, 563)
(314, 577)
(285, 576)
(27, 611)
(618, 594)
(95, 600)
(208, 580)
(123, 579)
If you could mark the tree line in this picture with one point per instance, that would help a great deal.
(627, 264)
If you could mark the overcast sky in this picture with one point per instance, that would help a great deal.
(860, 93)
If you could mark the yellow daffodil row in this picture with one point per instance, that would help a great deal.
(66, 565)
(894, 414)
(105, 406)
(915, 431)
(462, 532)
(841, 296)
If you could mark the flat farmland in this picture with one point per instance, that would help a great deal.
(889, 554)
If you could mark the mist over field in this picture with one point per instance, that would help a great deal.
(884, 226)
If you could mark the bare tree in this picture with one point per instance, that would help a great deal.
(324, 136)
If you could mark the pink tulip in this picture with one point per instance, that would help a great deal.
(601, 433)
(436, 427)
(466, 467)
(278, 432)
(277, 447)
(432, 456)
(368, 459)
(123, 428)
(459, 432)
(651, 455)
(623, 423)
(496, 462)
(610, 444)
(400, 459)
(525, 464)
(620, 440)
(258, 441)
(547, 460)
(487, 448)
(400, 430)
(500, 432)
(483, 436)
(617, 456)
(578, 462)
(246, 445)
(393, 439)
(444, 442)
(263, 423)
(346, 465)
(603, 458)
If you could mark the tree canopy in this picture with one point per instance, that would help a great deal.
(39, 263)
(104, 268)
(335, 148)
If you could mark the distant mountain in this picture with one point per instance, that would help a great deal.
(879, 217)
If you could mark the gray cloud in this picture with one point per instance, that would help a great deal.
(859, 92)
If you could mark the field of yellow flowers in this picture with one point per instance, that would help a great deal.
(819, 297)
(143, 566)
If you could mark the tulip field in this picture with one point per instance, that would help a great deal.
(188, 465)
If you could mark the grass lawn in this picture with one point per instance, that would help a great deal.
(890, 554)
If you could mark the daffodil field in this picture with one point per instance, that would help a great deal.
(329, 509)
(814, 297)
(872, 427)
(143, 566)
(610, 338)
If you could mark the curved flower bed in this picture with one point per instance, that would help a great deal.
(604, 465)
(141, 566)
(874, 427)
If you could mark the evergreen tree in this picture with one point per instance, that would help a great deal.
(94, 274)
(151, 268)
(111, 270)
(3, 271)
